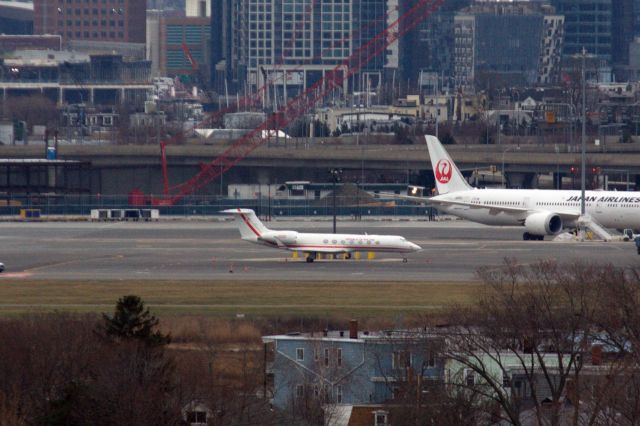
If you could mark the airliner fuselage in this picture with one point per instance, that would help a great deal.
(505, 207)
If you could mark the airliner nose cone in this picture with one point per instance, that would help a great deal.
(415, 247)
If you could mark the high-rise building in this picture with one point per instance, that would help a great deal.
(370, 18)
(183, 40)
(291, 44)
(588, 24)
(623, 20)
(507, 44)
(429, 46)
(123, 21)
(636, 17)
(198, 8)
(16, 17)
(221, 43)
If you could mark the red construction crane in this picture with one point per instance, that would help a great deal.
(189, 56)
(293, 109)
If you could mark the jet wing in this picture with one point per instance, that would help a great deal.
(272, 241)
(494, 209)
(320, 249)
(421, 200)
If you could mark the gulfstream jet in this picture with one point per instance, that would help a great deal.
(254, 231)
(541, 212)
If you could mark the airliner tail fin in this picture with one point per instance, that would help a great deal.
(447, 176)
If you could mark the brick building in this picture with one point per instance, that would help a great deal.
(99, 20)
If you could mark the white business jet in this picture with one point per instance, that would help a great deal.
(252, 230)
(541, 212)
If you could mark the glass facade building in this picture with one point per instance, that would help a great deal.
(588, 24)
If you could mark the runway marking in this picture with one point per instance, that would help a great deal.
(69, 262)
(16, 275)
(301, 260)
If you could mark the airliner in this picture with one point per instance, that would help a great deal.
(254, 231)
(541, 212)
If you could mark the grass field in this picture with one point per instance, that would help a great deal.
(252, 298)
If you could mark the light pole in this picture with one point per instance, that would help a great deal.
(335, 175)
(584, 139)
(508, 148)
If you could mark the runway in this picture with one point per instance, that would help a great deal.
(212, 250)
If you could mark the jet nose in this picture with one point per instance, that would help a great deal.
(415, 247)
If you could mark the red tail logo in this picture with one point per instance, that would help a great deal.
(443, 171)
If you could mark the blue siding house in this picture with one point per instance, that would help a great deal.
(352, 367)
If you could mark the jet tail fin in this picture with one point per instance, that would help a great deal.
(251, 228)
(447, 176)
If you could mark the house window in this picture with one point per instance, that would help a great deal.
(380, 418)
(339, 357)
(326, 357)
(197, 417)
(299, 391)
(339, 394)
(469, 377)
(316, 354)
(506, 380)
(395, 392)
(431, 359)
(300, 354)
(401, 359)
(517, 388)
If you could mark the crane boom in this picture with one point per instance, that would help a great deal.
(301, 103)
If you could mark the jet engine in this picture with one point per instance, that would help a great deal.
(287, 237)
(280, 237)
(543, 223)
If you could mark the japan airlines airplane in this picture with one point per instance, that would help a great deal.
(252, 230)
(541, 212)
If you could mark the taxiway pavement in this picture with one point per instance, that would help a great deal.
(212, 250)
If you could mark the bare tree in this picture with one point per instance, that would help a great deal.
(533, 323)
(36, 109)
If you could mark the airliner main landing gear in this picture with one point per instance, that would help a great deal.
(527, 236)
(405, 260)
(311, 257)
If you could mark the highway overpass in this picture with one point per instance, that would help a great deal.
(116, 169)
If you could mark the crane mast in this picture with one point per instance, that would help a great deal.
(295, 107)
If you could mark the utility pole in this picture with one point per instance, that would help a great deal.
(335, 175)
(584, 138)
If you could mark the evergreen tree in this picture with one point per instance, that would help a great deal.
(132, 321)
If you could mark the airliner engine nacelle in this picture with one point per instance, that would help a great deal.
(543, 223)
(287, 237)
(280, 237)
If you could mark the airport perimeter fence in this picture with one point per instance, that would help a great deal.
(81, 205)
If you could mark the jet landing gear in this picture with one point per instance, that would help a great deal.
(527, 236)
(311, 257)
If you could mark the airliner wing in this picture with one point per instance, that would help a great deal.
(421, 200)
(494, 209)
(437, 202)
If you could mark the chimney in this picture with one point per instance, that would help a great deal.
(353, 329)
(596, 354)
